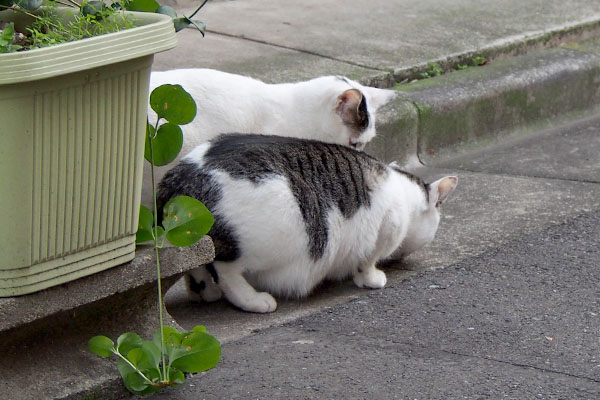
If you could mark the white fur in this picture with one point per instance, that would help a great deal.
(233, 103)
(274, 244)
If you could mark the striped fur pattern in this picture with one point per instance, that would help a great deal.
(290, 213)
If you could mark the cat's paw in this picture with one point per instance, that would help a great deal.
(211, 293)
(263, 302)
(371, 278)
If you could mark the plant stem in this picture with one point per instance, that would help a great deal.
(21, 11)
(68, 4)
(74, 3)
(198, 9)
(159, 285)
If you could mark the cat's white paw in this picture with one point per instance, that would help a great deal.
(211, 292)
(371, 278)
(201, 287)
(263, 302)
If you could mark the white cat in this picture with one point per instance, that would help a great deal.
(290, 213)
(331, 109)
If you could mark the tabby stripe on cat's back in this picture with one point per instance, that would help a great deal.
(333, 175)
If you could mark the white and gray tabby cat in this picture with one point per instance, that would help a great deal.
(290, 213)
(330, 109)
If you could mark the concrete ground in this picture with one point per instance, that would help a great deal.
(283, 40)
(505, 302)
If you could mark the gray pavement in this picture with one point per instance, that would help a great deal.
(504, 304)
(278, 40)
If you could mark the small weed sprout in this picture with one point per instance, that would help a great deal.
(434, 70)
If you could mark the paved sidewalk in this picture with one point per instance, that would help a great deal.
(279, 40)
(505, 302)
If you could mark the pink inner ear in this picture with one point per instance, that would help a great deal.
(348, 103)
(445, 187)
(447, 184)
(352, 96)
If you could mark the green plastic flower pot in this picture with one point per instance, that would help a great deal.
(72, 129)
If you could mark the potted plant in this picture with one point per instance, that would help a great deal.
(72, 132)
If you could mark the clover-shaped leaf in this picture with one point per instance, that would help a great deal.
(133, 381)
(183, 22)
(127, 342)
(198, 352)
(166, 144)
(145, 223)
(173, 103)
(101, 346)
(186, 220)
(167, 10)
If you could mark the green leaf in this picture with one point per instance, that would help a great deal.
(133, 381)
(166, 144)
(124, 368)
(152, 356)
(127, 342)
(198, 328)
(183, 22)
(176, 377)
(149, 131)
(142, 5)
(93, 8)
(147, 359)
(173, 103)
(171, 335)
(136, 356)
(166, 10)
(173, 339)
(29, 5)
(7, 35)
(101, 346)
(201, 26)
(145, 223)
(186, 220)
(199, 352)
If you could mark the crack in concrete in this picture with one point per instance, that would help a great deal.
(312, 53)
(522, 365)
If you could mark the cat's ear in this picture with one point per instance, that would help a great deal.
(378, 97)
(441, 189)
(348, 106)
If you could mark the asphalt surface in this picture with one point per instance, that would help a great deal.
(531, 302)
(504, 304)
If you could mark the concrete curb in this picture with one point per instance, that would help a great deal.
(535, 90)
(512, 46)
